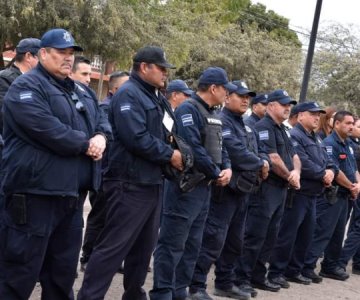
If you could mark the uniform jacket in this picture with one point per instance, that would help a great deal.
(252, 120)
(314, 160)
(7, 77)
(139, 148)
(44, 145)
(190, 123)
(342, 154)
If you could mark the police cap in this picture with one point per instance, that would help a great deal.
(218, 76)
(60, 39)
(152, 55)
(260, 98)
(178, 85)
(309, 106)
(242, 88)
(280, 96)
(31, 45)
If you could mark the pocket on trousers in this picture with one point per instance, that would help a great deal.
(21, 246)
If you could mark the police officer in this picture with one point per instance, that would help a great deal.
(258, 109)
(26, 58)
(267, 206)
(133, 181)
(81, 70)
(224, 227)
(298, 222)
(185, 212)
(332, 211)
(177, 92)
(54, 139)
(96, 218)
(351, 248)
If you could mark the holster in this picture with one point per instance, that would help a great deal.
(290, 198)
(190, 180)
(244, 182)
(331, 194)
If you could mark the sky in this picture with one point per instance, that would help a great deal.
(301, 12)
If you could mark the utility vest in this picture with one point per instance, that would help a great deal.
(211, 133)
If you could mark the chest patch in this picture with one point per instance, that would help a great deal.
(125, 107)
(247, 128)
(187, 120)
(264, 135)
(329, 150)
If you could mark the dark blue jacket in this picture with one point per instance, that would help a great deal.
(342, 154)
(45, 143)
(241, 143)
(275, 139)
(139, 148)
(314, 160)
(251, 120)
(190, 124)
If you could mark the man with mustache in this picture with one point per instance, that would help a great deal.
(54, 137)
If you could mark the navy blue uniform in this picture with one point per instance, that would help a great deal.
(184, 214)
(266, 207)
(133, 189)
(224, 228)
(298, 222)
(351, 247)
(46, 174)
(252, 120)
(331, 218)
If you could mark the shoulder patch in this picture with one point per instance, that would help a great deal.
(226, 132)
(187, 120)
(125, 107)
(329, 150)
(247, 128)
(264, 135)
(26, 96)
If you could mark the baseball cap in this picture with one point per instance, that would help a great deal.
(31, 45)
(280, 96)
(218, 76)
(152, 55)
(242, 88)
(260, 98)
(178, 85)
(60, 39)
(309, 106)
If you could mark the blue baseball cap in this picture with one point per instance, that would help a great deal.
(178, 85)
(242, 88)
(218, 76)
(31, 45)
(281, 96)
(260, 98)
(152, 55)
(309, 106)
(60, 39)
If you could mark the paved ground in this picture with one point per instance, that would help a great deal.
(328, 290)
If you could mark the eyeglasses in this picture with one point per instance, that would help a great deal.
(78, 104)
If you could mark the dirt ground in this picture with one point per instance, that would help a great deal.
(328, 290)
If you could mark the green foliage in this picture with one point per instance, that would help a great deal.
(336, 68)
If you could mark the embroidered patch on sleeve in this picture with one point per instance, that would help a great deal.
(26, 96)
(226, 132)
(264, 135)
(187, 120)
(329, 150)
(125, 107)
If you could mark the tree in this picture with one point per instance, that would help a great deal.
(336, 68)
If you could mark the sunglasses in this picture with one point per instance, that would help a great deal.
(78, 104)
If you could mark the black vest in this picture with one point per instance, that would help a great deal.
(211, 133)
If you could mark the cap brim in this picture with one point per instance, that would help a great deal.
(76, 48)
(245, 92)
(188, 92)
(317, 110)
(165, 65)
(287, 100)
(230, 87)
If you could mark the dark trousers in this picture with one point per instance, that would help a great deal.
(352, 243)
(261, 231)
(295, 235)
(131, 230)
(222, 240)
(45, 248)
(94, 224)
(180, 239)
(329, 233)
